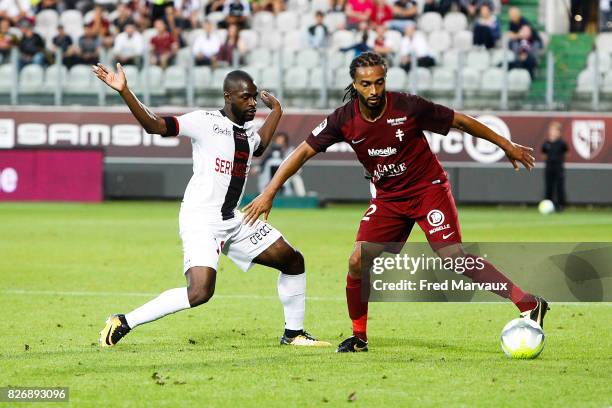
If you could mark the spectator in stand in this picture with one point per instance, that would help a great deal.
(162, 9)
(318, 32)
(362, 46)
(214, 6)
(101, 26)
(15, 10)
(381, 13)
(129, 46)
(187, 13)
(7, 40)
(486, 27)
(275, 6)
(124, 17)
(522, 31)
(404, 11)
(140, 12)
(381, 43)
(31, 45)
(89, 46)
(236, 12)
(63, 41)
(163, 45)
(337, 5)
(414, 44)
(234, 47)
(45, 5)
(357, 12)
(206, 46)
(524, 59)
(468, 7)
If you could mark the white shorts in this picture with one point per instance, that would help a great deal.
(204, 240)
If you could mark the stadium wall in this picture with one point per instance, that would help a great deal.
(139, 165)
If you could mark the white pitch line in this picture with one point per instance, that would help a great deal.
(252, 297)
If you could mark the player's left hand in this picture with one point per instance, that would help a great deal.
(518, 153)
(262, 204)
(270, 100)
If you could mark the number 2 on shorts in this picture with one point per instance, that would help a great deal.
(371, 210)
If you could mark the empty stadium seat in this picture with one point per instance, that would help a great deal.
(439, 41)
(455, 22)
(497, 57)
(462, 40)
(607, 83)
(604, 60)
(342, 39)
(319, 5)
(396, 79)
(294, 40)
(271, 40)
(72, 20)
(470, 79)
(443, 80)
(335, 21)
(202, 78)
(57, 73)
(492, 80)
(450, 59)
(586, 81)
(6, 78)
(342, 78)
(261, 57)
(47, 20)
(132, 75)
(184, 57)
(250, 38)
(31, 79)
(263, 21)
(296, 78)
(316, 79)
(270, 79)
(519, 80)
(478, 59)
(287, 21)
(254, 71)
(393, 38)
(430, 22)
(603, 42)
(419, 80)
(306, 20)
(308, 58)
(175, 79)
(153, 76)
(80, 81)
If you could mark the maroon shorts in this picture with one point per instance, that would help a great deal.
(391, 221)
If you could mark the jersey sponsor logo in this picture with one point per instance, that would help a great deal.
(319, 129)
(260, 234)
(228, 167)
(588, 137)
(222, 131)
(388, 170)
(386, 152)
(397, 121)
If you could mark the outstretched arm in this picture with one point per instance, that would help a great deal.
(262, 204)
(266, 131)
(151, 122)
(514, 151)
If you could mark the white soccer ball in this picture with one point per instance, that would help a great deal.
(522, 339)
(546, 207)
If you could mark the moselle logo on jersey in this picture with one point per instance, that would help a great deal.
(388, 170)
(260, 233)
(386, 152)
(222, 131)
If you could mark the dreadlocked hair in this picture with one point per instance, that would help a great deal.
(366, 59)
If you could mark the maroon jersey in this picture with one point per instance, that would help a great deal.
(393, 149)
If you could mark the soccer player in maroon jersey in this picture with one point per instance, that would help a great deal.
(385, 129)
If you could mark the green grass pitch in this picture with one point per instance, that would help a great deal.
(65, 267)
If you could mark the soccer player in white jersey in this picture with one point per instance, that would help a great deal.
(223, 143)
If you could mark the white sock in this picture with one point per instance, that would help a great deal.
(168, 302)
(292, 294)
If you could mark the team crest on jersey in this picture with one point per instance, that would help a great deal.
(319, 129)
(397, 121)
(435, 217)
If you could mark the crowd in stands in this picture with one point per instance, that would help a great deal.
(118, 26)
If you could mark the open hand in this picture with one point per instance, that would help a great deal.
(262, 204)
(117, 80)
(518, 153)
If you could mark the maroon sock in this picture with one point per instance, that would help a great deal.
(490, 274)
(358, 310)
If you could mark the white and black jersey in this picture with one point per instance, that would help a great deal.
(222, 153)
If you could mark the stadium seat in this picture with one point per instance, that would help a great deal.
(153, 78)
(443, 81)
(319, 5)
(306, 20)
(80, 81)
(450, 58)
(288, 58)
(287, 21)
(455, 22)
(430, 22)
(586, 81)
(603, 42)
(190, 36)
(519, 80)
(470, 79)
(218, 76)
(202, 78)
(6, 78)
(133, 76)
(254, 71)
(308, 58)
(261, 57)
(184, 57)
(342, 78)
(497, 57)
(439, 41)
(216, 17)
(396, 79)
(335, 21)
(492, 80)
(462, 40)
(294, 40)
(271, 40)
(421, 78)
(54, 74)
(604, 61)
(250, 38)
(31, 79)
(270, 78)
(175, 79)
(151, 32)
(478, 59)
(46, 21)
(337, 59)
(299, 6)
(296, 79)
(607, 83)
(342, 39)
(264, 21)
(316, 78)
(72, 20)
(393, 38)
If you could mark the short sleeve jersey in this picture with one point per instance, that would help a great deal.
(222, 154)
(393, 149)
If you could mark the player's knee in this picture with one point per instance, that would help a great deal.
(295, 266)
(198, 295)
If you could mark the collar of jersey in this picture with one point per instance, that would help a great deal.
(231, 121)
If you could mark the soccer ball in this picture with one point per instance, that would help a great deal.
(522, 339)
(546, 207)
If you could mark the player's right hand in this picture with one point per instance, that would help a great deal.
(262, 204)
(117, 80)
